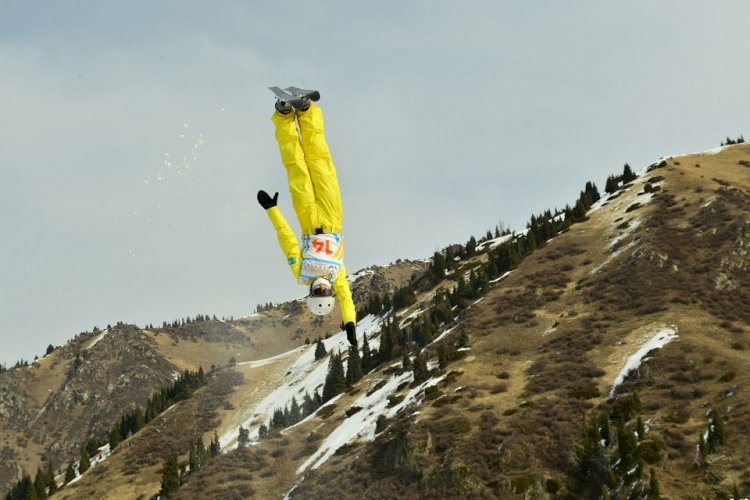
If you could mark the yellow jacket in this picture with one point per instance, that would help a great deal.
(290, 247)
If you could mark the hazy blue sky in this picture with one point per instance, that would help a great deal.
(134, 135)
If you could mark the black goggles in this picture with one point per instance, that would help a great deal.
(321, 291)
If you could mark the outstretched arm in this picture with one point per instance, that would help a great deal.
(287, 239)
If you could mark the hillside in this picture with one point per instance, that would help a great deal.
(55, 405)
(607, 359)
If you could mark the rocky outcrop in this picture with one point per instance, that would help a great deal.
(106, 373)
(385, 280)
(735, 264)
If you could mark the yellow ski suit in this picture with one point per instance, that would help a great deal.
(315, 192)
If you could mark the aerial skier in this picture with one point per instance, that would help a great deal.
(317, 202)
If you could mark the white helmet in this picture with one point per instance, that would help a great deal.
(320, 301)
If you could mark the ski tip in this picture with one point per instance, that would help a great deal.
(313, 95)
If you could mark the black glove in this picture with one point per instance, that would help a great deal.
(266, 201)
(351, 333)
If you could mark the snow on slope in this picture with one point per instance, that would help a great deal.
(305, 375)
(618, 206)
(495, 242)
(654, 340)
(362, 424)
(96, 340)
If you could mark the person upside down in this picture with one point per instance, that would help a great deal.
(316, 198)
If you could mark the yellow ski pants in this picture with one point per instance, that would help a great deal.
(312, 176)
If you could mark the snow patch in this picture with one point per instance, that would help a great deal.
(550, 329)
(410, 317)
(613, 256)
(500, 278)
(361, 274)
(654, 340)
(362, 424)
(97, 339)
(272, 359)
(445, 332)
(495, 242)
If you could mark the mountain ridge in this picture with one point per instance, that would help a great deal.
(547, 344)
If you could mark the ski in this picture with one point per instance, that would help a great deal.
(313, 95)
(295, 101)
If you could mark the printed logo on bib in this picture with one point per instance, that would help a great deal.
(322, 256)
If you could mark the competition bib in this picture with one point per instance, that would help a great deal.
(322, 257)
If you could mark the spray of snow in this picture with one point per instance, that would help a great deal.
(653, 340)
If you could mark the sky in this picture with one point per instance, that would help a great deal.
(135, 135)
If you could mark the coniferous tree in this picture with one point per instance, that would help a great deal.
(40, 484)
(385, 352)
(471, 247)
(320, 350)
(626, 446)
(404, 297)
(716, 434)
(200, 452)
(653, 487)
(295, 413)
(366, 355)
(22, 490)
(640, 429)
(51, 483)
(278, 420)
(463, 339)
(170, 476)
(262, 431)
(70, 473)
(353, 367)
(492, 269)
(215, 447)
(438, 267)
(405, 361)
(84, 464)
(612, 185)
(444, 357)
(335, 382)
(579, 212)
(32, 493)
(420, 369)
(592, 192)
(700, 458)
(627, 174)
(386, 303)
(244, 437)
(605, 433)
(193, 459)
(308, 405)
